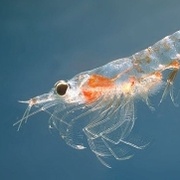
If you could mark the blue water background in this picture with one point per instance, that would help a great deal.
(43, 41)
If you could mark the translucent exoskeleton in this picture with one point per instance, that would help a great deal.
(96, 108)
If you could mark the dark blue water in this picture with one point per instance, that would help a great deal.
(43, 41)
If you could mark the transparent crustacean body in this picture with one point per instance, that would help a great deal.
(96, 108)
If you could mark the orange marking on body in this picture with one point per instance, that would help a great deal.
(90, 95)
(175, 64)
(99, 81)
(132, 80)
(158, 74)
(95, 87)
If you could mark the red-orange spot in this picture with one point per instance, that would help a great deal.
(158, 74)
(95, 87)
(132, 80)
(175, 64)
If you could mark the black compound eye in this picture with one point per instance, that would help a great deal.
(61, 88)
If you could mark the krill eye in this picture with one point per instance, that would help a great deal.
(61, 89)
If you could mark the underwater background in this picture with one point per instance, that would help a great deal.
(42, 41)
